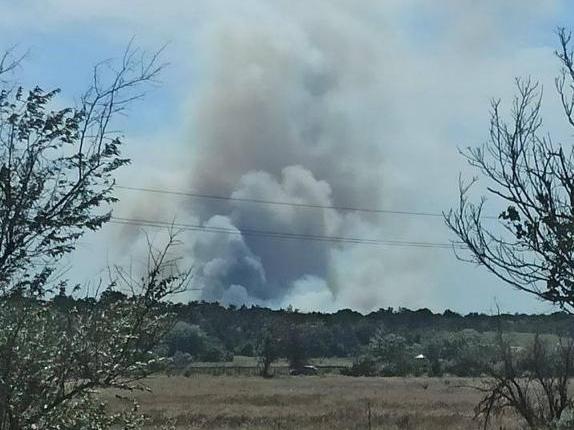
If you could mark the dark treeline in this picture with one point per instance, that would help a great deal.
(344, 333)
(386, 342)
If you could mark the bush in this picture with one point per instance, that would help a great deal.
(365, 365)
(394, 355)
(566, 421)
(246, 349)
(213, 351)
(189, 339)
(181, 360)
(185, 338)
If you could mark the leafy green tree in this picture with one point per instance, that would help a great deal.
(268, 350)
(393, 351)
(294, 346)
(186, 338)
(56, 183)
(462, 353)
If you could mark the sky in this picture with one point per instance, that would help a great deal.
(330, 103)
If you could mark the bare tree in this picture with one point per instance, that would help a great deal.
(532, 247)
(532, 383)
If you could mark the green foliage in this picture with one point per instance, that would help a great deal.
(393, 352)
(56, 183)
(464, 353)
(247, 349)
(346, 334)
(192, 340)
(86, 413)
(566, 420)
(213, 351)
(55, 180)
(268, 350)
(51, 356)
(454, 344)
(364, 365)
(186, 338)
(294, 346)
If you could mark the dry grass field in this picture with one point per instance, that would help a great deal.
(324, 402)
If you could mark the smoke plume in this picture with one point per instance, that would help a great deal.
(292, 111)
(330, 103)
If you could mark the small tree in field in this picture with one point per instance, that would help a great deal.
(294, 347)
(532, 246)
(56, 182)
(268, 350)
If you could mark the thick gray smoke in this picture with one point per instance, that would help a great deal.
(282, 118)
(325, 102)
(267, 267)
(318, 106)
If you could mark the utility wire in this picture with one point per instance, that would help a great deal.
(283, 235)
(280, 203)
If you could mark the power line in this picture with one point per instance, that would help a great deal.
(282, 235)
(280, 203)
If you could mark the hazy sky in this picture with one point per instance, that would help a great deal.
(322, 102)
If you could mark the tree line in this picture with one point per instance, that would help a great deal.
(382, 343)
(237, 330)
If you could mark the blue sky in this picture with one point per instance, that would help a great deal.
(406, 83)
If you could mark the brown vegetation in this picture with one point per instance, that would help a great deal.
(325, 402)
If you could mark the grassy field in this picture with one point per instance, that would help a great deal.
(326, 402)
